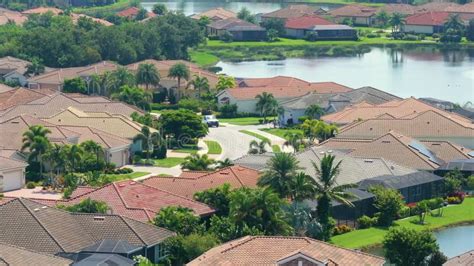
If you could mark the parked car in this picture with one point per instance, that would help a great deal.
(211, 121)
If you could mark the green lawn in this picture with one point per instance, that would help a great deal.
(133, 175)
(168, 162)
(253, 134)
(280, 132)
(213, 146)
(203, 59)
(242, 121)
(192, 149)
(276, 149)
(118, 5)
(453, 214)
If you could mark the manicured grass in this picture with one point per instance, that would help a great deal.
(213, 146)
(187, 149)
(342, 2)
(168, 162)
(452, 215)
(276, 148)
(242, 121)
(280, 132)
(133, 175)
(118, 5)
(203, 59)
(253, 134)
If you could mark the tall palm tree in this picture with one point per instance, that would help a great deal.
(36, 141)
(382, 18)
(225, 82)
(148, 139)
(301, 187)
(196, 162)
(314, 111)
(328, 190)
(295, 140)
(200, 84)
(264, 101)
(73, 155)
(179, 71)
(93, 147)
(224, 163)
(147, 74)
(121, 77)
(56, 160)
(455, 23)
(280, 170)
(397, 21)
(256, 147)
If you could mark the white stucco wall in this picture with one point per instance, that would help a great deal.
(12, 179)
(419, 29)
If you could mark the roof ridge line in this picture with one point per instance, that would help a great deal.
(427, 160)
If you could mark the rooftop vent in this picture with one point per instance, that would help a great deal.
(36, 209)
(44, 207)
(368, 161)
(99, 218)
(133, 183)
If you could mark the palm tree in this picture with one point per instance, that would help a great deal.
(314, 111)
(56, 160)
(73, 155)
(121, 77)
(327, 190)
(397, 21)
(93, 147)
(264, 101)
(196, 162)
(36, 141)
(280, 170)
(225, 82)
(302, 220)
(224, 163)
(301, 187)
(148, 139)
(295, 140)
(316, 129)
(383, 18)
(256, 147)
(135, 96)
(179, 71)
(454, 22)
(147, 74)
(200, 84)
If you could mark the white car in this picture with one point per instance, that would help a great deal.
(210, 120)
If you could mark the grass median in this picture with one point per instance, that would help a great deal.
(256, 135)
(168, 162)
(242, 121)
(452, 215)
(213, 147)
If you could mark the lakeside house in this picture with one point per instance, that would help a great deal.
(323, 29)
(132, 12)
(292, 11)
(37, 227)
(430, 22)
(360, 15)
(283, 251)
(332, 102)
(215, 14)
(240, 30)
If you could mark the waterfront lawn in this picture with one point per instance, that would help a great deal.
(168, 162)
(242, 121)
(117, 6)
(280, 132)
(213, 146)
(114, 177)
(203, 59)
(253, 134)
(453, 214)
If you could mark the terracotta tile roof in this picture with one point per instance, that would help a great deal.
(405, 9)
(7, 16)
(292, 11)
(463, 259)
(437, 6)
(233, 23)
(51, 230)
(21, 96)
(431, 124)
(216, 14)
(188, 184)
(268, 250)
(104, 139)
(401, 150)
(5, 88)
(273, 81)
(429, 19)
(75, 18)
(353, 11)
(247, 93)
(9, 64)
(42, 10)
(395, 108)
(135, 200)
(306, 22)
(131, 12)
(13, 255)
(466, 8)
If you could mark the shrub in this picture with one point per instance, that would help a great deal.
(435, 36)
(470, 182)
(372, 35)
(454, 200)
(303, 118)
(226, 37)
(421, 37)
(136, 159)
(68, 192)
(342, 229)
(159, 152)
(405, 212)
(311, 36)
(398, 35)
(30, 185)
(410, 37)
(366, 221)
(228, 111)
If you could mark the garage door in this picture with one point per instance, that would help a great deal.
(12, 180)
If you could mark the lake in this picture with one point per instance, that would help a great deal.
(456, 240)
(195, 7)
(427, 73)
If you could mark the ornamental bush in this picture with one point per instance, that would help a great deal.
(366, 221)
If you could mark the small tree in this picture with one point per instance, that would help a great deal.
(275, 24)
(178, 219)
(225, 82)
(159, 9)
(280, 170)
(295, 140)
(396, 21)
(196, 162)
(421, 209)
(256, 147)
(382, 18)
(75, 85)
(217, 197)
(272, 35)
(389, 203)
(244, 14)
(89, 206)
(470, 30)
(409, 247)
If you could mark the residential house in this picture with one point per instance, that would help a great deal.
(402, 150)
(283, 251)
(10, 16)
(13, 97)
(466, 166)
(240, 30)
(132, 12)
(188, 183)
(60, 233)
(360, 15)
(437, 7)
(215, 14)
(75, 18)
(332, 102)
(292, 11)
(404, 9)
(13, 69)
(426, 23)
(133, 200)
(12, 255)
(55, 79)
(428, 125)
(12, 174)
(300, 27)
(43, 10)
(282, 81)
(463, 259)
(244, 97)
(467, 8)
